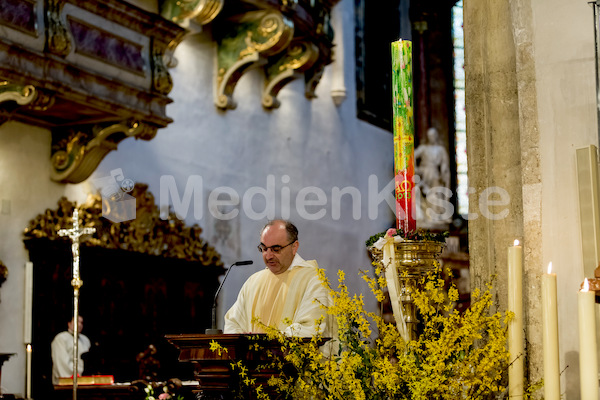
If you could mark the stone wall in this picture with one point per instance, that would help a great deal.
(530, 104)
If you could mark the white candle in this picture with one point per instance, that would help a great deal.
(27, 308)
(28, 376)
(550, 336)
(515, 326)
(588, 361)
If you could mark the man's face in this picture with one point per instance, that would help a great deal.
(276, 235)
(71, 324)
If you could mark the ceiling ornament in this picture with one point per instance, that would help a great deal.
(147, 233)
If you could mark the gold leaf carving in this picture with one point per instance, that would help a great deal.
(163, 83)
(59, 41)
(181, 11)
(21, 94)
(273, 34)
(77, 152)
(147, 233)
(299, 57)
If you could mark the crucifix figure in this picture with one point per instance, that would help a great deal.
(74, 234)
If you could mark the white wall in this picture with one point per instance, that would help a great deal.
(25, 191)
(312, 142)
(300, 145)
(566, 95)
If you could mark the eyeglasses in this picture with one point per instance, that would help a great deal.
(275, 249)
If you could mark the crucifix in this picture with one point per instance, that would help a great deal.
(74, 234)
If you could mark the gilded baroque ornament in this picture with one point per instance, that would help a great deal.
(184, 11)
(312, 77)
(27, 96)
(92, 72)
(78, 152)
(21, 94)
(162, 81)
(245, 42)
(147, 233)
(287, 38)
(59, 41)
(299, 57)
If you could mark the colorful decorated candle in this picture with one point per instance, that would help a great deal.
(404, 132)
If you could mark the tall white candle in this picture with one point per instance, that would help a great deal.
(28, 303)
(588, 359)
(550, 336)
(515, 326)
(28, 375)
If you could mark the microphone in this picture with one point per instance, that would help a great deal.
(214, 330)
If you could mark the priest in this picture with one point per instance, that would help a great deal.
(62, 351)
(287, 290)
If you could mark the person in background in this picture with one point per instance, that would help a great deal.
(62, 351)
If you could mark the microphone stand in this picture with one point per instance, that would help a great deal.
(213, 330)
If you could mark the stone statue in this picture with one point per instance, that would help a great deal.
(432, 166)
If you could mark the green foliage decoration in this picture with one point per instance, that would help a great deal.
(416, 235)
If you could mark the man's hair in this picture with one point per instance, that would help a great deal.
(69, 317)
(291, 229)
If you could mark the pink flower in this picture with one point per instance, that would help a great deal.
(164, 396)
(391, 232)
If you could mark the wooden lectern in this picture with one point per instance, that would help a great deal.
(214, 373)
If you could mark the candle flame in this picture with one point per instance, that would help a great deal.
(550, 267)
(586, 285)
(516, 242)
(29, 348)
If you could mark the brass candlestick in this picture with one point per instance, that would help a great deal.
(412, 259)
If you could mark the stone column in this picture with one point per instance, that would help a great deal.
(502, 146)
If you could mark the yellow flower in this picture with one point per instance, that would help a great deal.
(456, 356)
(215, 346)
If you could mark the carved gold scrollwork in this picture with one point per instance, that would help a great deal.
(78, 152)
(147, 233)
(161, 79)
(273, 34)
(209, 10)
(311, 80)
(243, 43)
(59, 41)
(43, 101)
(300, 56)
(182, 11)
(21, 94)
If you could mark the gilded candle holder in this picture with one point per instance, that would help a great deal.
(414, 259)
